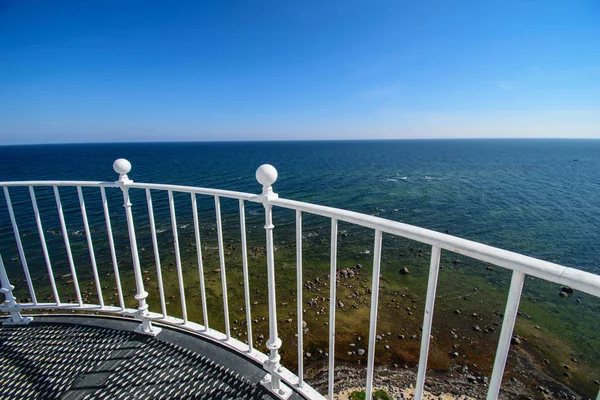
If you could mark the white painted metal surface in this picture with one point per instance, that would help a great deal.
(88, 236)
(177, 257)
(161, 288)
(374, 309)
(10, 303)
(65, 234)
(111, 245)
(200, 262)
(122, 167)
(222, 267)
(508, 325)
(434, 269)
(267, 175)
(332, 305)
(279, 380)
(244, 251)
(299, 302)
(38, 221)
(13, 222)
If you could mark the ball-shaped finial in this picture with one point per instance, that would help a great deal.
(266, 175)
(122, 166)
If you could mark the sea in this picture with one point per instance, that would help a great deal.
(536, 197)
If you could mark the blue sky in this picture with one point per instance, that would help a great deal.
(91, 71)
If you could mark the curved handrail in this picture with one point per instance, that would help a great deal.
(575, 278)
(60, 183)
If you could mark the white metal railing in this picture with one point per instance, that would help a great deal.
(279, 379)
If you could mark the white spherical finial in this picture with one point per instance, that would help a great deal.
(266, 175)
(122, 166)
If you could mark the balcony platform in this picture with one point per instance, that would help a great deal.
(93, 357)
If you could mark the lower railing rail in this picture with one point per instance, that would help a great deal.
(279, 380)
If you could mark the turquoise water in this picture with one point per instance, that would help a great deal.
(536, 197)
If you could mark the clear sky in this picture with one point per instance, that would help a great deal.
(129, 70)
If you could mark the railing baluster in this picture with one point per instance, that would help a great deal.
(222, 265)
(244, 250)
(508, 325)
(161, 288)
(266, 175)
(19, 245)
(10, 303)
(332, 305)
(65, 233)
(178, 257)
(111, 245)
(88, 236)
(374, 307)
(434, 268)
(122, 167)
(200, 261)
(299, 299)
(38, 221)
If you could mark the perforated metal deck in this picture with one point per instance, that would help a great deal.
(79, 358)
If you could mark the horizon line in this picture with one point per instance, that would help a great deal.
(297, 140)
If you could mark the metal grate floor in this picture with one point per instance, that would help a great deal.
(59, 361)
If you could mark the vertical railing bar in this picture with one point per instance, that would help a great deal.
(19, 245)
(332, 305)
(200, 261)
(88, 236)
(178, 257)
(111, 245)
(222, 265)
(373, 316)
(38, 221)
(508, 325)
(161, 288)
(299, 297)
(65, 233)
(434, 268)
(244, 250)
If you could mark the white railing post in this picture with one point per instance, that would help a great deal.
(266, 175)
(122, 167)
(10, 303)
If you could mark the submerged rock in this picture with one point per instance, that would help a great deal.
(404, 271)
(567, 289)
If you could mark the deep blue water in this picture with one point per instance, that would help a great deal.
(537, 197)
